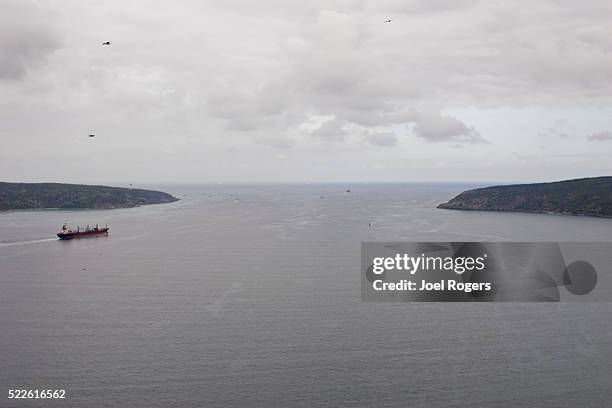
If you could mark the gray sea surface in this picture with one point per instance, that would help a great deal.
(249, 296)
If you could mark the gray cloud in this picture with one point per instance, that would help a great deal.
(331, 130)
(278, 142)
(600, 137)
(27, 37)
(381, 139)
(435, 127)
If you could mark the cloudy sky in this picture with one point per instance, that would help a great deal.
(278, 90)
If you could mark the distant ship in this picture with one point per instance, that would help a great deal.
(69, 233)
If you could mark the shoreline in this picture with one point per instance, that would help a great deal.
(561, 214)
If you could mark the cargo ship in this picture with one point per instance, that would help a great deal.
(69, 233)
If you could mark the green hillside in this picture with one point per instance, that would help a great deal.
(21, 196)
(587, 196)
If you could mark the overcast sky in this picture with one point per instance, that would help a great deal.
(279, 90)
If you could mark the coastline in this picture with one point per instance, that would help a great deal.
(561, 214)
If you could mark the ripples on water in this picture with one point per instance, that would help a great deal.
(249, 296)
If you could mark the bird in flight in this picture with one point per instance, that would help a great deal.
(388, 21)
(106, 43)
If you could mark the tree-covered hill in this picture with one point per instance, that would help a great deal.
(587, 196)
(21, 196)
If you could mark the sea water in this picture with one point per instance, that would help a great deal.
(249, 296)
